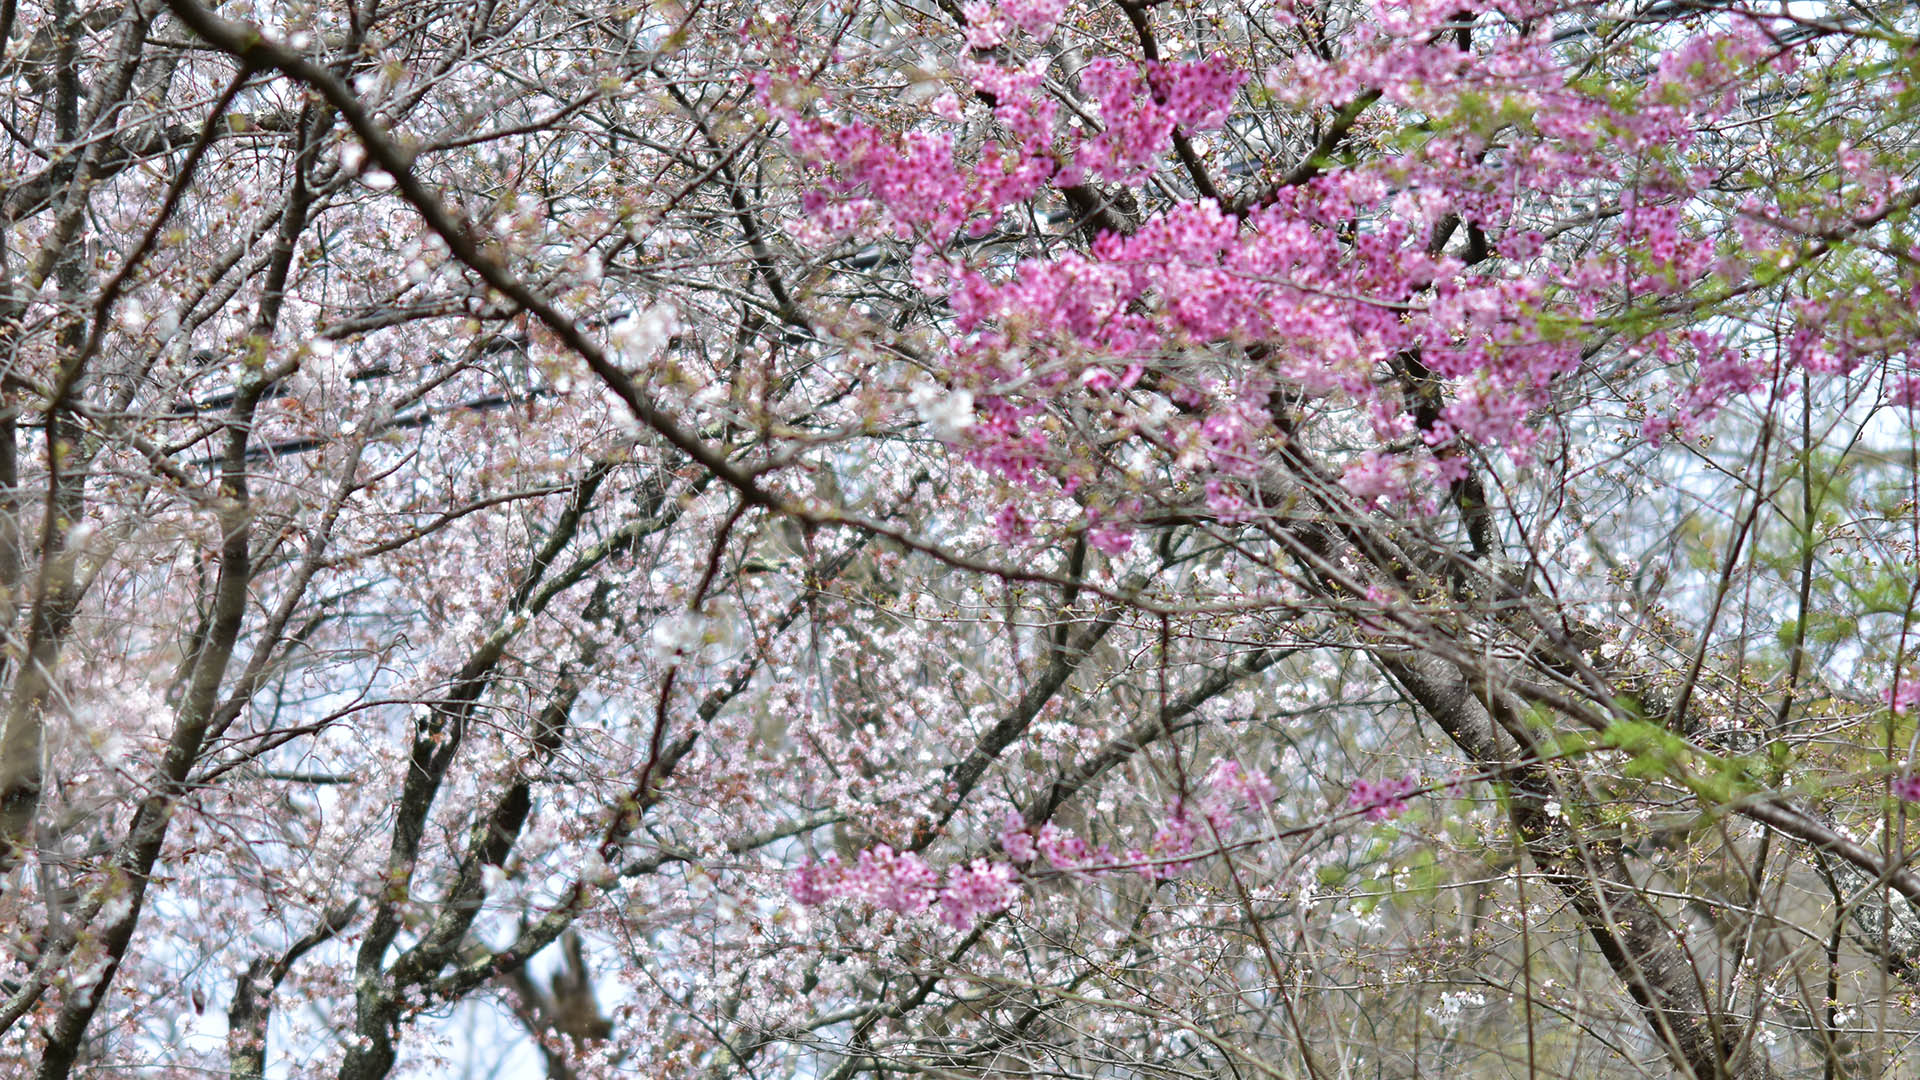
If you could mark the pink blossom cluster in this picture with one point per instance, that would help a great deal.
(1037, 17)
(977, 889)
(1024, 112)
(1705, 72)
(1907, 788)
(914, 177)
(1108, 537)
(1003, 444)
(1195, 274)
(1903, 695)
(1332, 278)
(986, 28)
(1196, 94)
(1179, 833)
(898, 881)
(903, 882)
(1382, 799)
(1141, 107)
(1233, 788)
(1011, 528)
(1064, 850)
(989, 25)
(1229, 795)
(1720, 373)
(1375, 478)
(1675, 255)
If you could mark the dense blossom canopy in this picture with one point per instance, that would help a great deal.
(1124, 538)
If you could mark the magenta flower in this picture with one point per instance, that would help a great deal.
(900, 881)
(1382, 799)
(1015, 840)
(979, 888)
(1907, 788)
(814, 883)
(903, 882)
(1903, 695)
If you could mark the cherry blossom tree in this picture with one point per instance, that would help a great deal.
(1123, 537)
